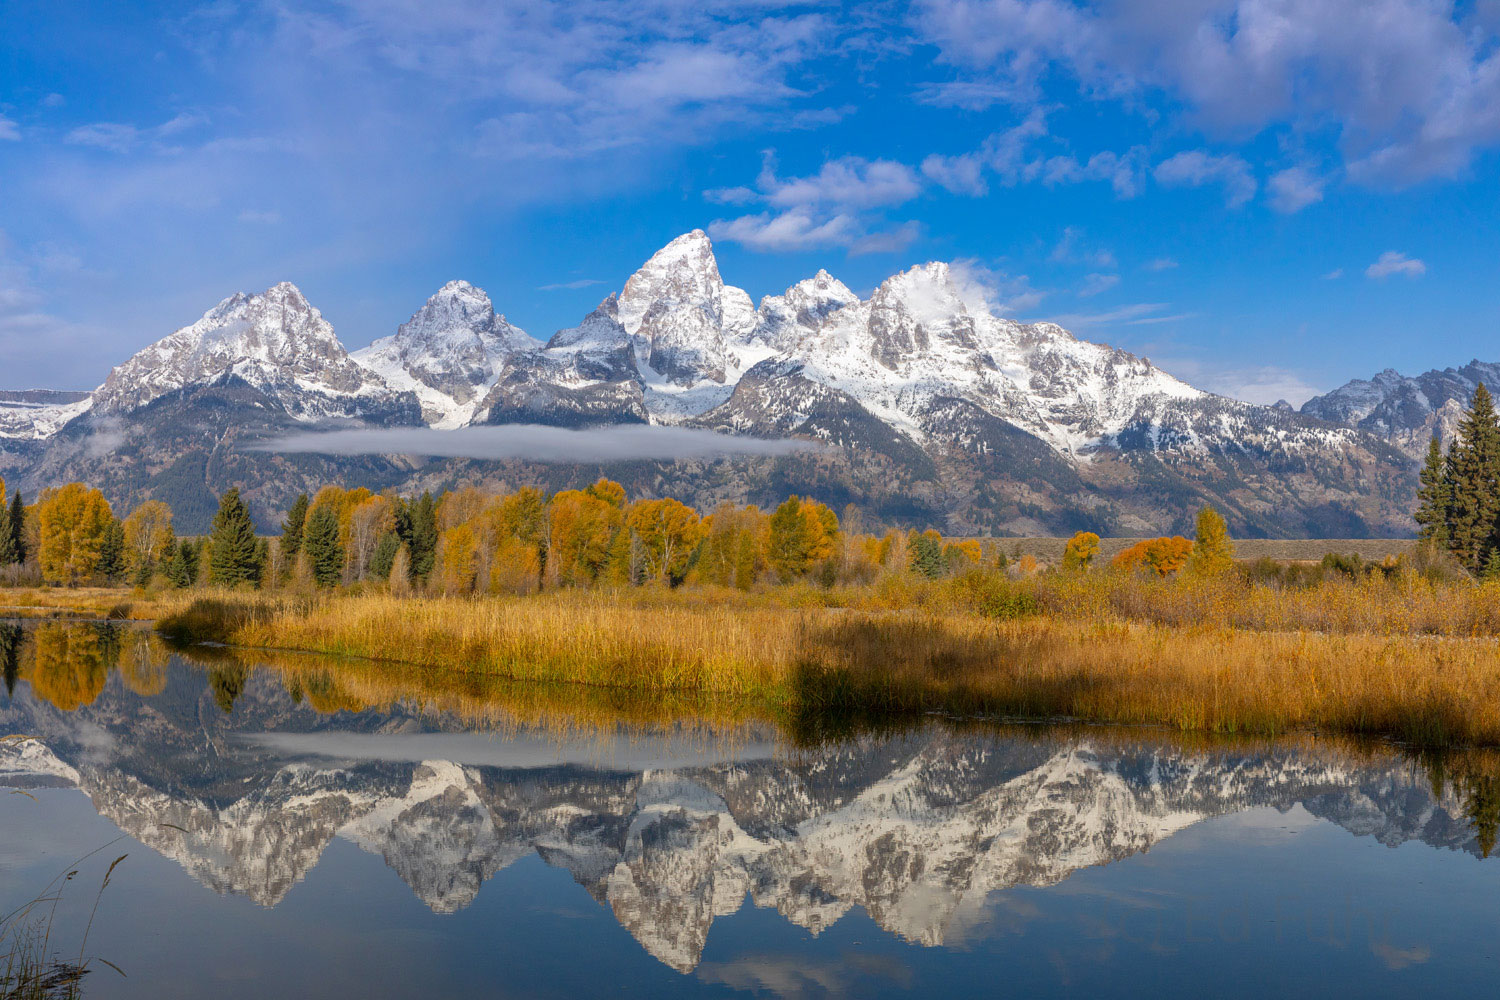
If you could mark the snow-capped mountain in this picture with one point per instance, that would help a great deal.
(34, 414)
(933, 408)
(275, 342)
(1406, 411)
(918, 830)
(449, 353)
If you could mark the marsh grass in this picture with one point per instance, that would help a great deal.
(31, 967)
(1077, 656)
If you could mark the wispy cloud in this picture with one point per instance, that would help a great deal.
(623, 443)
(9, 130)
(1263, 384)
(1135, 314)
(1097, 284)
(1198, 167)
(570, 285)
(1395, 263)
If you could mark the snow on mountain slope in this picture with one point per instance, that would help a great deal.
(274, 341)
(449, 353)
(39, 413)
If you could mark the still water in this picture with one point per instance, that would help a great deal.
(307, 828)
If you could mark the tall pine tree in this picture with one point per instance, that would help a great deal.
(7, 543)
(424, 537)
(111, 567)
(325, 554)
(1434, 496)
(291, 532)
(18, 527)
(1473, 474)
(233, 552)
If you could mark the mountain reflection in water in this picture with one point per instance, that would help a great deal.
(244, 771)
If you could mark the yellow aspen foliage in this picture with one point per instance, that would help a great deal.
(1213, 552)
(669, 531)
(1080, 551)
(71, 522)
(580, 529)
(609, 491)
(148, 535)
(1162, 556)
(516, 567)
(71, 664)
(457, 560)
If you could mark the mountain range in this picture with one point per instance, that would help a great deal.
(930, 409)
(918, 830)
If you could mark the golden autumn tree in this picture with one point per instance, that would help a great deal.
(1080, 551)
(149, 539)
(669, 531)
(734, 546)
(1162, 556)
(71, 524)
(581, 527)
(1213, 551)
(71, 664)
(457, 560)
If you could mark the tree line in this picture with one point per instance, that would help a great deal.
(477, 541)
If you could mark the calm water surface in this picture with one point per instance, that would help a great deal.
(311, 829)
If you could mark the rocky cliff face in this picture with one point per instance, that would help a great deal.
(1406, 411)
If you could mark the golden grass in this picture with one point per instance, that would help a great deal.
(812, 665)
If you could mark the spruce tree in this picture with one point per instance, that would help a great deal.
(291, 531)
(1434, 496)
(232, 559)
(325, 555)
(384, 556)
(7, 543)
(18, 527)
(111, 565)
(179, 566)
(1473, 475)
(424, 537)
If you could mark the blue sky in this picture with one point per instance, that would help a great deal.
(1267, 197)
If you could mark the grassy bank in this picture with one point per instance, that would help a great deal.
(986, 653)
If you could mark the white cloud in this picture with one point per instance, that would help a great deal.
(9, 130)
(1411, 86)
(1096, 284)
(987, 289)
(792, 230)
(1135, 314)
(1334, 275)
(621, 443)
(1391, 262)
(1161, 264)
(849, 182)
(1263, 384)
(1295, 188)
(1198, 167)
(571, 285)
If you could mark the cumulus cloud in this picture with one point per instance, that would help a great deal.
(1394, 263)
(1198, 167)
(1295, 188)
(1240, 66)
(621, 443)
(831, 208)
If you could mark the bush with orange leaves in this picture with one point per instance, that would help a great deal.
(1162, 556)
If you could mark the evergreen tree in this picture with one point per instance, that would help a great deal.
(179, 568)
(1434, 496)
(18, 527)
(291, 532)
(1473, 475)
(325, 554)
(111, 566)
(7, 543)
(232, 559)
(925, 554)
(192, 560)
(147, 569)
(424, 537)
(384, 556)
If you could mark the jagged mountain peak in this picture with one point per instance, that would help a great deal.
(276, 341)
(449, 353)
